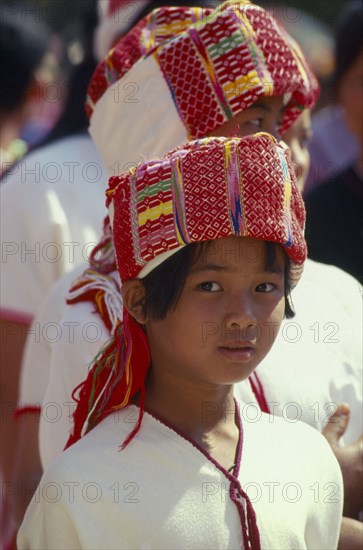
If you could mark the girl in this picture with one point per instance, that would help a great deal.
(209, 241)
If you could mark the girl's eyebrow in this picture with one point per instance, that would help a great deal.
(258, 105)
(276, 271)
(221, 268)
(209, 267)
(280, 270)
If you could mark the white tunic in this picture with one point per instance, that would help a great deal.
(70, 360)
(62, 342)
(163, 492)
(52, 208)
(46, 330)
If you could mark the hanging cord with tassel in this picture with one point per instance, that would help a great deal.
(117, 374)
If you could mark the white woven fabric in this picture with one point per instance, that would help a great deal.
(134, 116)
(163, 492)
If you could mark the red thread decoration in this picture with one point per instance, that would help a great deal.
(116, 376)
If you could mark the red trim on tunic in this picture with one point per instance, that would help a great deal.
(258, 391)
(26, 409)
(14, 316)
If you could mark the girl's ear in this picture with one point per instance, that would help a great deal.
(133, 296)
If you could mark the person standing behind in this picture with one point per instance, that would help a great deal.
(23, 50)
(335, 208)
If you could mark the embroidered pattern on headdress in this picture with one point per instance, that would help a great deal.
(215, 63)
(207, 190)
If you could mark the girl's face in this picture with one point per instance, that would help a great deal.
(226, 319)
(263, 116)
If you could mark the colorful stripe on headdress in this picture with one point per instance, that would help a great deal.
(234, 183)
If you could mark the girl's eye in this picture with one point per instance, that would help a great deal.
(265, 287)
(256, 122)
(210, 287)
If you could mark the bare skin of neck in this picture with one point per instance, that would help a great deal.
(206, 414)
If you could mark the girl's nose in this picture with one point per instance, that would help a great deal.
(240, 320)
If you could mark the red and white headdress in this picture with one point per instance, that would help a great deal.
(183, 72)
(203, 191)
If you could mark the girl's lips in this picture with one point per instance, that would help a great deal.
(241, 354)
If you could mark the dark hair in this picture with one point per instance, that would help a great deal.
(73, 119)
(165, 283)
(349, 39)
(22, 46)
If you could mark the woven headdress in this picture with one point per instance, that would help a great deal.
(182, 72)
(203, 191)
